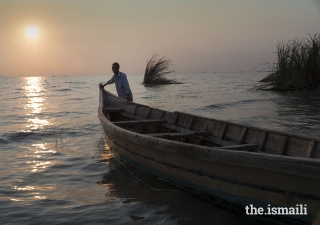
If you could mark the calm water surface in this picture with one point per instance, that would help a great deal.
(56, 168)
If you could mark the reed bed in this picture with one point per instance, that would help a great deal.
(156, 70)
(298, 66)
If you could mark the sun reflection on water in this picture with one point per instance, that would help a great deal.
(16, 200)
(43, 148)
(40, 197)
(26, 188)
(34, 92)
(34, 194)
(40, 150)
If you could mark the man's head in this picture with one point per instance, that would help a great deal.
(115, 68)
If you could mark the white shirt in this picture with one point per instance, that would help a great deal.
(122, 85)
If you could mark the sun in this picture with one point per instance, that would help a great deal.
(32, 32)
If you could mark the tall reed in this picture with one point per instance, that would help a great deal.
(298, 65)
(156, 70)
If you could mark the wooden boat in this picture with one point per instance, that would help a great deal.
(237, 164)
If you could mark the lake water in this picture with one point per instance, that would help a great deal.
(56, 168)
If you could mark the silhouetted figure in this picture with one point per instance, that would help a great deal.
(121, 82)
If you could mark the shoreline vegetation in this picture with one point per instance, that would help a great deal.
(156, 71)
(298, 66)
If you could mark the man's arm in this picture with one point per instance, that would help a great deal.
(111, 81)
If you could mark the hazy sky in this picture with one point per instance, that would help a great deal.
(81, 37)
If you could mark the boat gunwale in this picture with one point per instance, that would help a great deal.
(268, 130)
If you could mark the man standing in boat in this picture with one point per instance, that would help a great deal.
(121, 82)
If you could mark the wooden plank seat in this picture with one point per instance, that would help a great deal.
(172, 127)
(133, 117)
(217, 140)
(209, 138)
(243, 147)
(186, 134)
(135, 122)
(113, 110)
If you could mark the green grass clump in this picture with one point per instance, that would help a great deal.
(156, 70)
(298, 66)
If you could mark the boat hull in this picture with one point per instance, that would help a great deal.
(234, 178)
